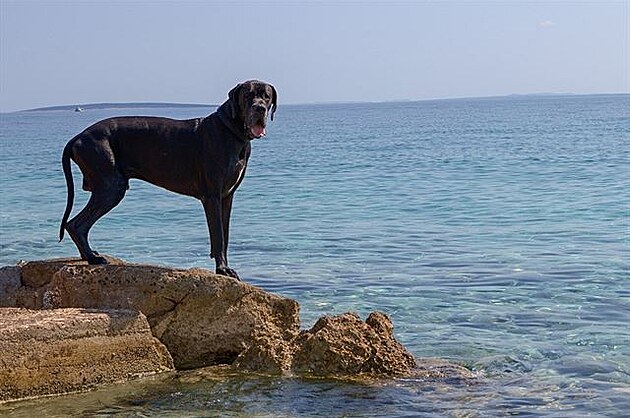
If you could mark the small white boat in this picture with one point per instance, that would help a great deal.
(78, 109)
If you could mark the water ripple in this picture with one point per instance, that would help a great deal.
(494, 232)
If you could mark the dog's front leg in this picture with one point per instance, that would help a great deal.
(226, 212)
(214, 217)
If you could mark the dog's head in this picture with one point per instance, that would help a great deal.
(250, 103)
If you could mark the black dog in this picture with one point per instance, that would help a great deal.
(204, 158)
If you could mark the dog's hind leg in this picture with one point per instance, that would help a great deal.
(99, 204)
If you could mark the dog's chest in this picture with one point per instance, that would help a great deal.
(235, 177)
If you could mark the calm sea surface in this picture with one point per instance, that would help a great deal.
(494, 232)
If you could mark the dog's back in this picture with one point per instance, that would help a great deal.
(147, 148)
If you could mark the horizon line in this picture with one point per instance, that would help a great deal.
(106, 105)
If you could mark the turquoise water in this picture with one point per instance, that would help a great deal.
(494, 232)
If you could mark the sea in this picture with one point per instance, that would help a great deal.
(495, 232)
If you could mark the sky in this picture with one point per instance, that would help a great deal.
(76, 52)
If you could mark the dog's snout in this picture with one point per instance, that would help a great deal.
(259, 107)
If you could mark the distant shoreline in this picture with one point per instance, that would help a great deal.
(163, 105)
(92, 106)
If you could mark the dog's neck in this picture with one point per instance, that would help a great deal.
(225, 117)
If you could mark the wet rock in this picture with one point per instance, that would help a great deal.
(501, 364)
(439, 369)
(64, 350)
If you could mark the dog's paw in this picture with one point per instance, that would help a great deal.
(97, 259)
(226, 271)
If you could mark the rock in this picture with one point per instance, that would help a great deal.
(10, 283)
(65, 350)
(267, 355)
(341, 345)
(345, 345)
(202, 318)
(28, 280)
(439, 369)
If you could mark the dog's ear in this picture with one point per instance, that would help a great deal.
(234, 95)
(274, 101)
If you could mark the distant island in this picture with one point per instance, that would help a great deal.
(93, 106)
(158, 105)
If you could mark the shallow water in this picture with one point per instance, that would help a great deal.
(494, 232)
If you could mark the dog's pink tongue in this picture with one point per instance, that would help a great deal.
(258, 131)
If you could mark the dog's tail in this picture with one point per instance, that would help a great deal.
(67, 171)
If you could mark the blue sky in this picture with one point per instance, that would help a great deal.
(72, 52)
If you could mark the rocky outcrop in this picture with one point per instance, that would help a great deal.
(201, 318)
(340, 345)
(344, 344)
(65, 350)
